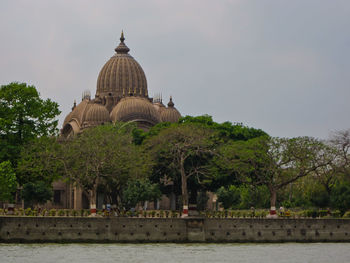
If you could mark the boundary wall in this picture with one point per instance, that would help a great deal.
(80, 229)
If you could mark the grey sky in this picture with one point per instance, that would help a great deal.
(282, 66)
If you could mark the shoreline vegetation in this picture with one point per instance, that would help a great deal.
(227, 214)
(194, 162)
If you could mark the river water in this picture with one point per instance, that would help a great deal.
(213, 253)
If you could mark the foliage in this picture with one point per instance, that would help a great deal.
(274, 162)
(8, 182)
(340, 197)
(181, 153)
(104, 156)
(23, 117)
(140, 191)
(37, 192)
(254, 196)
(40, 161)
(229, 197)
(226, 131)
(319, 197)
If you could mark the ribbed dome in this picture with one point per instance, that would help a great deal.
(97, 114)
(121, 75)
(159, 106)
(135, 109)
(78, 112)
(68, 118)
(170, 114)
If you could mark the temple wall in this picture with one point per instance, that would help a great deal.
(82, 229)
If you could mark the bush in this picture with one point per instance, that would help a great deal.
(43, 212)
(311, 213)
(60, 212)
(322, 213)
(174, 214)
(347, 214)
(52, 212)
(336, 214)
(161, 214)
(28, 211)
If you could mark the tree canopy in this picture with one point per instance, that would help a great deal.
(23, 116)
(8, 182)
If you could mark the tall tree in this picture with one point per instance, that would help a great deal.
(23, 116)
(103, 156)
(185, 148)
(275, 162)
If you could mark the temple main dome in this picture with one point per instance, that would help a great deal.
(121, 74)
(121, 95)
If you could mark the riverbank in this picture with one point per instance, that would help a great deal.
(124, 229)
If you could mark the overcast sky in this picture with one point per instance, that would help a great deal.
(282, 66)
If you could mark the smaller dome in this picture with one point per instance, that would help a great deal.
(68, 118)
(96, 114)
(136, 109)
(78, 112)
(170, 114)
(159, 106)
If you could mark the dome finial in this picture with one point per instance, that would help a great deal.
(122, 38)
(171, 103)
(122, 48)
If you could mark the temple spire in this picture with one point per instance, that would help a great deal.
(122, 48)
(122, 38)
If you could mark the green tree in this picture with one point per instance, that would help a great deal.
(40, 160)
(184, 149)
(140, 191)
(23, 116)
(225, 131)
(36, 193)
(104, 155)
(229, 197)
(8, 182)
(274, 162)
(340, 197)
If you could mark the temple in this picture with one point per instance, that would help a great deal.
(121, 95)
